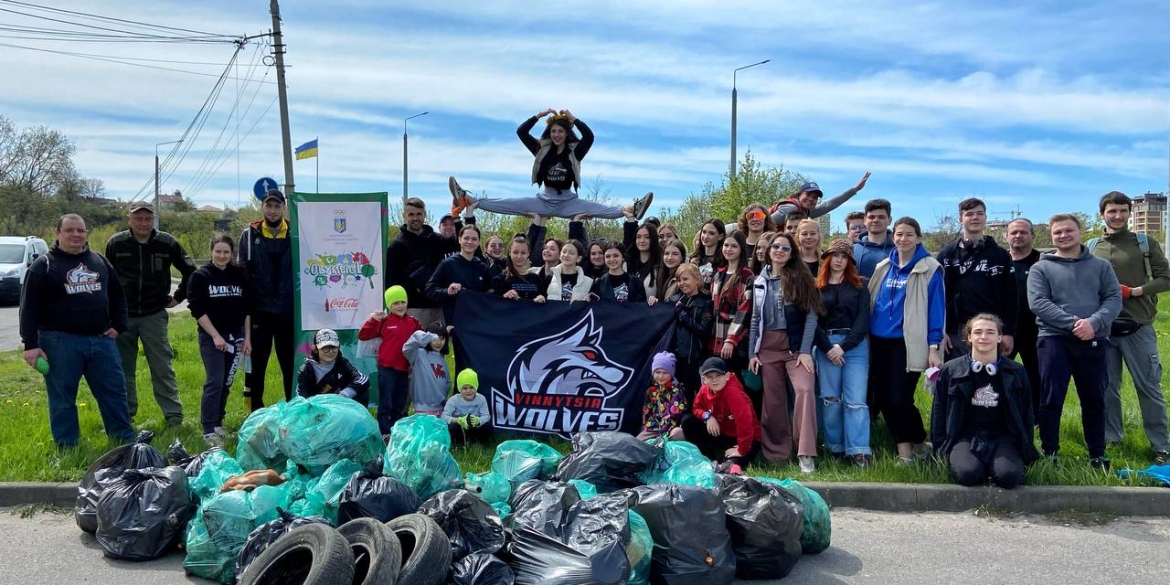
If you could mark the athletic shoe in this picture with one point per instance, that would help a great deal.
(861, 460)
(1101, 463)
(213, 440)
(460, 199)
(807, 464)
(926, 452)
(1161, 457)
(640, 205)
(220, 432)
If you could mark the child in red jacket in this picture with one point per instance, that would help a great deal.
(722, 423)
(394, 328)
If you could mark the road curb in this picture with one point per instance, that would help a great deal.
(901, 497)
(37, 493)
(878, 497)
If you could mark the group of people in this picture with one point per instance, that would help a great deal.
(780, 338)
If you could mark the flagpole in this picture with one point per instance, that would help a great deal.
(315, 139)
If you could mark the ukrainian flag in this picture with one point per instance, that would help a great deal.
(307, 150)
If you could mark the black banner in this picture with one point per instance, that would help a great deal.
(560, 368)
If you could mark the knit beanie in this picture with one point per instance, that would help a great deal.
(393, 295)
(467, 377)
(663, 361)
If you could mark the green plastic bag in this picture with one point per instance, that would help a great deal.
(584, 489)
(523, 459)
(419, 455)
(258, 448)
(323, 495)
(639, 550)
(221, 528)
(217, 468)
(490, 486)
(818, 527)
(682, 463)
(320, 431)
(502, 509)
(204, 558)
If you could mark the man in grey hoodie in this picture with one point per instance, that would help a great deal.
(1075, 297)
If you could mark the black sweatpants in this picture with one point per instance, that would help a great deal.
(714, 448)
(893, 389)
(994, 457)
(462, 437)
(270, 330)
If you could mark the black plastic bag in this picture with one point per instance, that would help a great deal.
(689, 526)
(481, 569)
(471, 524)
(142, 514)
(267, 533)
(539, 559)
(109, 467)
(607, 459)
(192, 464)
(578, 543)
(765, 522)
(369, 494)
(542, 505)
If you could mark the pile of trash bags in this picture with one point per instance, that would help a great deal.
(614, 510)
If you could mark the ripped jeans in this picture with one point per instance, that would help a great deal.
(843, 390)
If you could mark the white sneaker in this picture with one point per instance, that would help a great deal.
(220, 432)
(807, 464)
(213, 440)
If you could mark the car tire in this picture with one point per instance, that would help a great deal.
(426, 551)
(314, 554)
(377, 555)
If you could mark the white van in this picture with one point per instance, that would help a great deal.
(16, 255)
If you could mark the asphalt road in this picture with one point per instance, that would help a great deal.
(868, 547)
(9, 327)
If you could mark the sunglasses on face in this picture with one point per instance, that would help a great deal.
(759, 215)
(781, 247)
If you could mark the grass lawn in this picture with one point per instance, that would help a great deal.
(28, 453)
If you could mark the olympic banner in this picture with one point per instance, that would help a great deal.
(339, 256)
(561, 368)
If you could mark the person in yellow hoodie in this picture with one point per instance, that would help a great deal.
(1143, 272)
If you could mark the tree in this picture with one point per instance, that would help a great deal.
(946, 229)
(753, 183)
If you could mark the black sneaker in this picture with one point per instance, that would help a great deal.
(1161, 457)
(1101, 463)
(861, 460)
(642, 205)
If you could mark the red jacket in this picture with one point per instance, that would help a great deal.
(394, 331)
(733, 409)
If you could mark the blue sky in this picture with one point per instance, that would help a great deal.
(1041, 106)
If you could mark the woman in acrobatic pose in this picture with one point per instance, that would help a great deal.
(557, 168)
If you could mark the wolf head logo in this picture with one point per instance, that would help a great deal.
(570, 362)
(81, 275)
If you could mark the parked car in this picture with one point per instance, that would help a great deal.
(16, 255)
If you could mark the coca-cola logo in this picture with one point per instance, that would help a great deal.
(345, 304)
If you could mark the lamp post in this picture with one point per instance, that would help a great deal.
(157, 210)
(405, 181)
(731, 169)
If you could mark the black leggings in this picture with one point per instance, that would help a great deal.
(997, 458)
(893, 389)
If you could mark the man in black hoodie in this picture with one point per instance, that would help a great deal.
(979, 277)
(71, 311)
(265, 251)
(412, 257)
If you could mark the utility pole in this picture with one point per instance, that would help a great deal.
(282, 92)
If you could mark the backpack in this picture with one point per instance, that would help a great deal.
(1143, 245)
(793, 200)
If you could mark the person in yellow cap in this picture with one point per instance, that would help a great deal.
(466, 413)
(394, 328)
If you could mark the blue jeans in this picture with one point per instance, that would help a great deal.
(393, 393)
(843, 390)
(95, 357)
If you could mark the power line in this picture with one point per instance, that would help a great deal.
(106, 18)
(128, 33)
(117, 60)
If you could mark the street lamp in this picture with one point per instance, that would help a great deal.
(731, 170)
(157, 209)
(404, 145)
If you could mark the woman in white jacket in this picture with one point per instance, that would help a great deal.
(568, 282)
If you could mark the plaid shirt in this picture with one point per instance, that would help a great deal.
(733, 307)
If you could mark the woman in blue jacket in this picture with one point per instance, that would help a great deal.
(905, 329)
